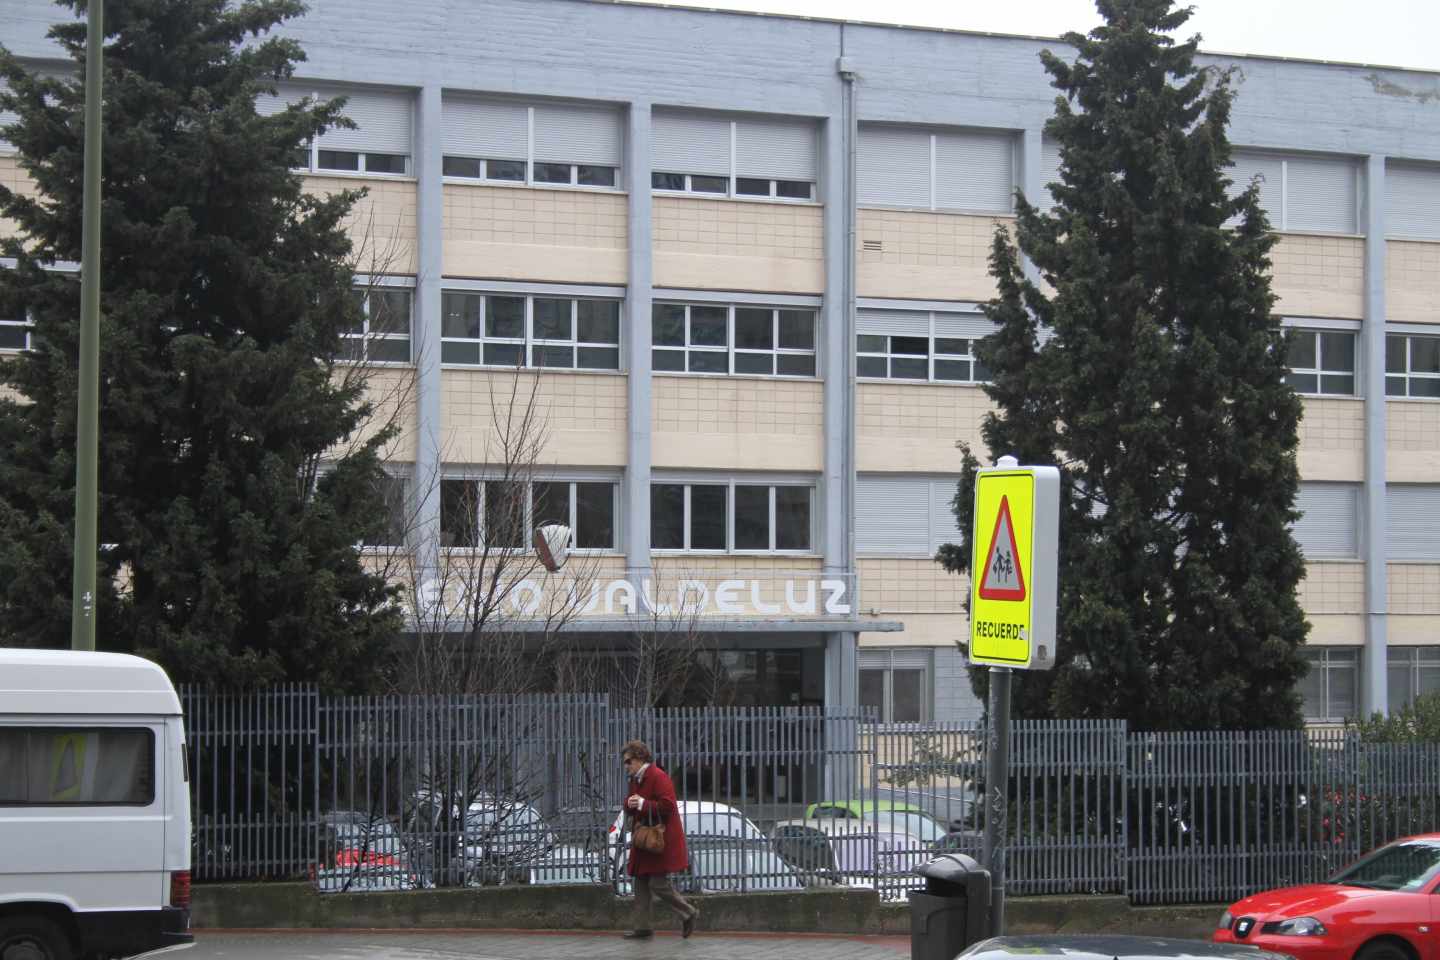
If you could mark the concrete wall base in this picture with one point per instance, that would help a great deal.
(298, 906)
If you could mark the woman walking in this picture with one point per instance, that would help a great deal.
(651, 801)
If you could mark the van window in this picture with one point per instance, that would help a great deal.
(76, 766)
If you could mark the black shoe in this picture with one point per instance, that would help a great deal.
(687, 926)
(639, 934)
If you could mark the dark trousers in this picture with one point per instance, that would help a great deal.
(652, 886)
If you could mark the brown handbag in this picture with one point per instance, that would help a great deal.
(649, 837)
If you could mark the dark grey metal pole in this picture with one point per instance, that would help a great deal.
(997, 801)
(87, 412)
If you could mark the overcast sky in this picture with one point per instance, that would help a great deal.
(1402, 33)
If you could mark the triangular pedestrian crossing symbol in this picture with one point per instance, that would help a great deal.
(1001, 578)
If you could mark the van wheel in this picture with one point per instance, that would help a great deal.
(33, 938)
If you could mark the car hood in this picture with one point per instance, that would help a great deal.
(1306, 901)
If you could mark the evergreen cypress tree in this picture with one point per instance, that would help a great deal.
(1152, 372)
(228, 552)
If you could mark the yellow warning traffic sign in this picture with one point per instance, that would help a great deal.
(1015, 538)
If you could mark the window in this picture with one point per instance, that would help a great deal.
(735, 517)
(1329, 524)
(918, 358)
(1301, 193)
(1331, 690)
(1412, 522)
(1411, 671)
(511, 330)
(971, 170)
(733, 339)
(501, 141)
(1322, 362)
(927, 347)
(381, 142)
(16, 332)
(1412, 366)
(899, 515)
(500, 513)
(770, 158)
(1412, 200)
(896, 684)
(381, 332)
(76, 766)
(392, 493)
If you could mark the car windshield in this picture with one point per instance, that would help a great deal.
(719, 866)
(919, 825)
(1409, 865)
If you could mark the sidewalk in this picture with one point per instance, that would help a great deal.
(528, 945)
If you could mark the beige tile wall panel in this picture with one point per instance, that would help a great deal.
(1412, 441)
(1333, 587)
(1332, 439)
(1337, 630)
(905, 427)
(1414, 589)
(1319, 276)
(561, 236)
(381, 225)
(582, 415)
(925, 256)
(1412, 631)
(14, 177)
(921, 630)
(1412, 281)
(737, 423)
(738, 245)
(9, 393)
(391, 391)
(906, 585)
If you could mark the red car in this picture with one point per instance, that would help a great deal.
(1383, 907)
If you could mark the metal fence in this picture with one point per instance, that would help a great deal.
(400, 792)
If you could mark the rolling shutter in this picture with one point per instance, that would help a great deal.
(493, 129)
(1329, 524)
(892, 167)
(1412, 521)
(1270, 170)
(690, 143)
(971, 326)
(382, 121)
(1412, 200)
(782, 149)
(268, 104)
(578, 133)
(892, 515)
(943, 526)
(974, 171)
(898, 323)
(6, 117)
(1049, 171)
(1320, 195)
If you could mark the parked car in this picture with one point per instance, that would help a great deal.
(1379, 908)
(1107, 947)
(359, 851)
(891, 816)
(852, 852)
(728, 852)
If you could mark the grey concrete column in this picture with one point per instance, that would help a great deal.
(1373, 693)
(637, 353)
(1031, 178)
(429, 238)
(842, 693)
(836, 349)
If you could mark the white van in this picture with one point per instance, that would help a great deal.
(94, 807)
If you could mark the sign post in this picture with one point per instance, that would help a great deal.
(1014, 544)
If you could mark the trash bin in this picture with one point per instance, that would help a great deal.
(953, 911)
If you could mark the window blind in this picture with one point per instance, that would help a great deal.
(1412, 200)
(1329, 524)
(778, 148)
(690, 143)
(1412, 521)
(974, 171)
(578, 133)
(892, 166)
(382, 121)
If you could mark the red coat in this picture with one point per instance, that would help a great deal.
(659, 795)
